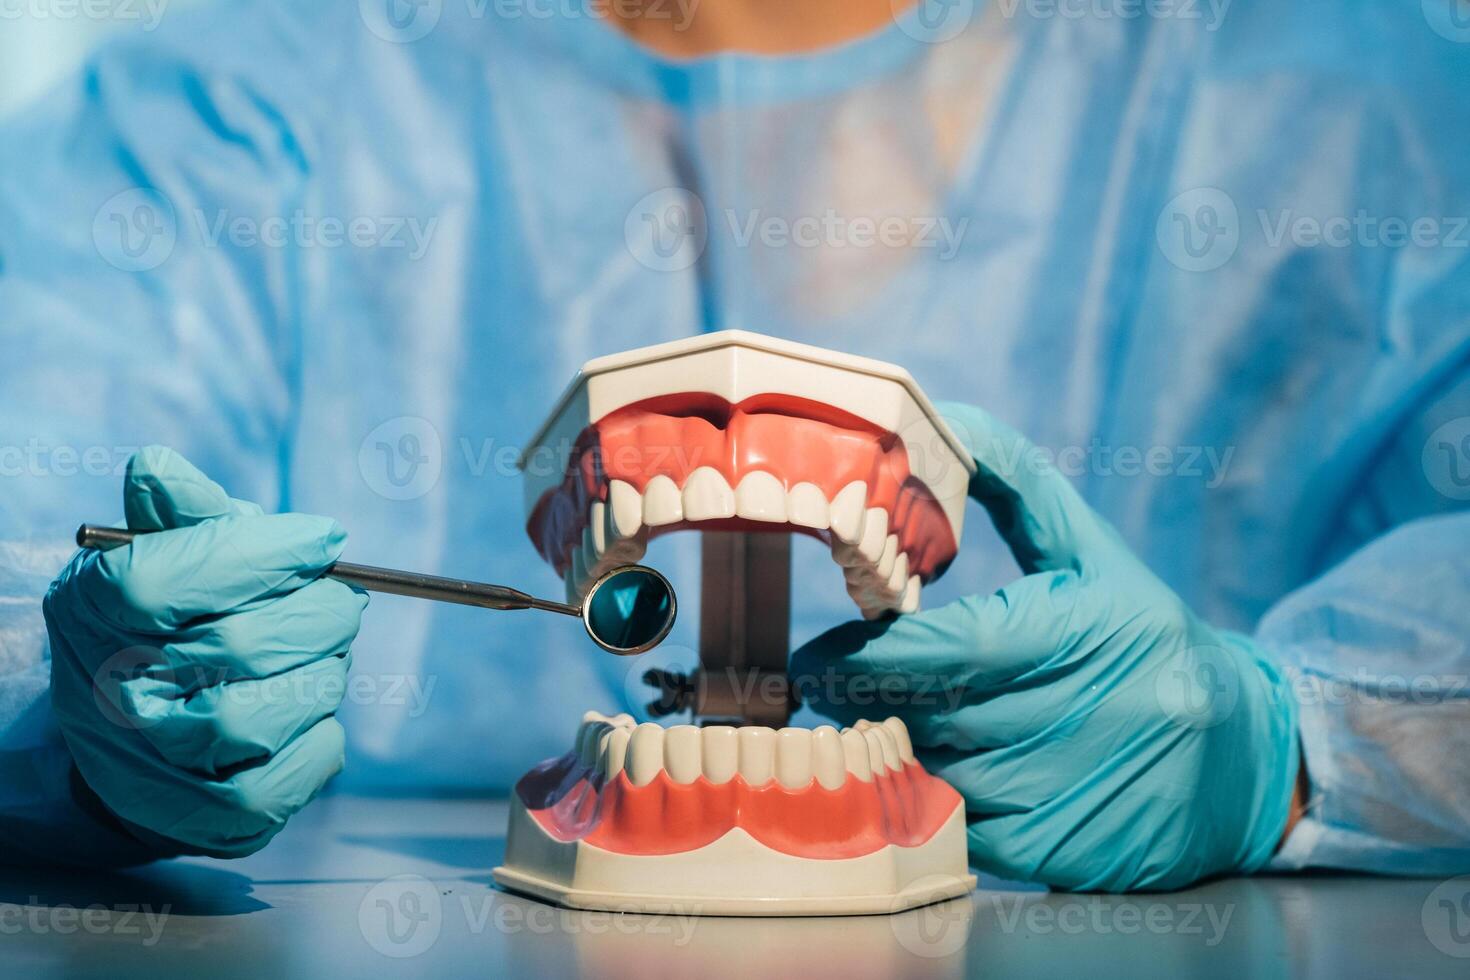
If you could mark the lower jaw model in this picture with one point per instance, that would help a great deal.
(735, 432)
(736, 821)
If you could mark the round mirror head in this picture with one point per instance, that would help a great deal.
(629, 610)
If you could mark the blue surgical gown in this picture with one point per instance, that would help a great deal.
(345, 262)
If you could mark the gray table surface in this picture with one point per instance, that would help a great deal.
(359, 886)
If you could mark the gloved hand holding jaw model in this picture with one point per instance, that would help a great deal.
(1102, 736)
(196, 672)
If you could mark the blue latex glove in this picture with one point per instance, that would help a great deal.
(1102, 736)
(195, 672)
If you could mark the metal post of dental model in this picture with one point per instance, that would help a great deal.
(628, 610)
(744, 630)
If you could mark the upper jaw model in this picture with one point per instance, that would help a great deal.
(737, 432)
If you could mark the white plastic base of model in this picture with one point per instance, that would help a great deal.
(735, 875)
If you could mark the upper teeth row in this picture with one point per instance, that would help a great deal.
(792, 756)
(876, 569)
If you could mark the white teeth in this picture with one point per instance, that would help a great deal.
(880, 740)
(910, 601)
(645, 753)
(707, 496)
(625, 507)
(874, 742)
(602, 741)
(889, 556)
(662, 503)
(760, 497)
(682, 753)
(900, 734)
(875, 534)
(855, 754)
(898, 579)
(589, 741)
(890, 749)
(586, 567)
(623, 551)
(612, 753)
(721, 753)
(846, 555)
(847, 512)
(597, 526)
(879, 575)
(794, 757)
(876, 570)
(828, 762)
(807, 507)
(757, 754)
(613, 536)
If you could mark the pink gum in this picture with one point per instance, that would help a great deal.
(904, 807)
(797, 441)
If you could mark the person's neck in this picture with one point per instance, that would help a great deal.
(691, 28)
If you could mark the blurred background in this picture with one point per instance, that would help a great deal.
(40, 46)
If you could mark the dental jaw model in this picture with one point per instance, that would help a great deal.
(746, 439)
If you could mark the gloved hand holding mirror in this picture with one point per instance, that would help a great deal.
(196, 674)
(628, 610)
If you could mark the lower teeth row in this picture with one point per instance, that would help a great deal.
(794, 757)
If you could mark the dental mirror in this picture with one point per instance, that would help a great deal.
(628, 610)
